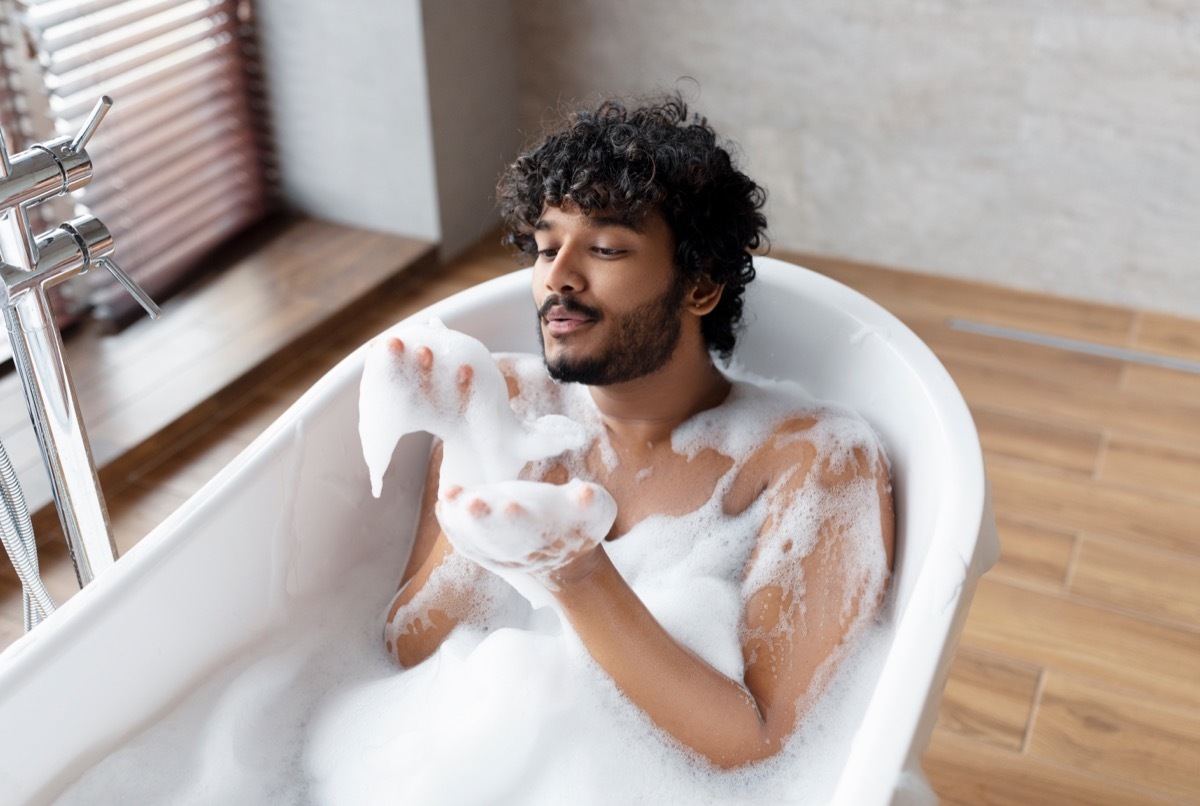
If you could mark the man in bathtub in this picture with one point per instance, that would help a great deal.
(641, 230)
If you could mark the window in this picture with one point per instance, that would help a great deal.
(10, 119)
(181, 162)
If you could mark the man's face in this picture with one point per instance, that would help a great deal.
(608, 295)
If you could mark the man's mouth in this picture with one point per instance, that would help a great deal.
(565, 317)
(561, 322)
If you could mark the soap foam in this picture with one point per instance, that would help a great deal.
(484, 441)
(316, 713)
(485, 598)
(527, 525)
(240, 736)
(515, 710)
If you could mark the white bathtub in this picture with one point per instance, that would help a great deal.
(292, 516)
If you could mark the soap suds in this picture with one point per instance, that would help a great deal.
(485, 599)
(504, 525)
(317, 714)
(425, 377)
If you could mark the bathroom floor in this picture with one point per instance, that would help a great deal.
(1076, 677)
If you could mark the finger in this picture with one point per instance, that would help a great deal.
(425, 358)
(465, 374)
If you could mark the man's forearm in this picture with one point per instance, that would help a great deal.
(430, 605)
(678, 690)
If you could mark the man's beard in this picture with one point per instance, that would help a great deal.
(641, 341)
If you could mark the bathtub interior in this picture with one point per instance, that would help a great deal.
(287, 521)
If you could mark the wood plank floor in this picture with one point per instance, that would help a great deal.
(1077, 679)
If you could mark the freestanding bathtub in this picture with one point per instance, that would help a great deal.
(292, 516)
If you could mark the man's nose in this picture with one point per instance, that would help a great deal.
(565, 274)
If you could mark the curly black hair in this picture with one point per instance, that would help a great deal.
(630, 162)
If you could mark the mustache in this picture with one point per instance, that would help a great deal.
(567, 303)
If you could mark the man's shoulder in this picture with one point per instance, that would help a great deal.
(821, 417)
(793, 427)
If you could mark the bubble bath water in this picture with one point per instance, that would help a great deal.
(515, 712)
(317, 714)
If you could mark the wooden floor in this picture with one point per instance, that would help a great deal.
(1077, 679)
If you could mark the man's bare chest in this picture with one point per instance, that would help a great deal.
(655, 481)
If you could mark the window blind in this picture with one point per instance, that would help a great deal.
(9, 118)
(18, 114)
(8, 125)
(181, 160)
(16, 124)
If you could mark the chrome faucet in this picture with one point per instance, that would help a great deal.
(29, 266)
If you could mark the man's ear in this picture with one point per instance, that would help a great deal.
(703, 296)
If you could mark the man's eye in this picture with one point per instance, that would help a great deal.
(547, 254)
(603, 251)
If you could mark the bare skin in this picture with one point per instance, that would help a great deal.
(613, 269)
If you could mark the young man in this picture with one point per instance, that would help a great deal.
(642, 230)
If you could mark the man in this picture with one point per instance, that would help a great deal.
(642, 230)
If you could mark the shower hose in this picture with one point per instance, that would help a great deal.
(19, 542)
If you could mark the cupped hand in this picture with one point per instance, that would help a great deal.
(529, 526)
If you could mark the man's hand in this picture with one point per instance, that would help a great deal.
(527, 526)
(424, 377)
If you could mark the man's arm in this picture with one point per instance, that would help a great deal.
(428, 532)
(437, 589)
(787, 641)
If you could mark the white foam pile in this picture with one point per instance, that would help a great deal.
(403, 392)
(516, 711)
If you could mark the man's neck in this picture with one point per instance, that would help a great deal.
(646, 410)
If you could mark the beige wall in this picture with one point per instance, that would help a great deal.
(471, 59)
(1047, 144)
(348, 95)
(395, 115)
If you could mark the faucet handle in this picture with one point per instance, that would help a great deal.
(130, 285)
(90, 125)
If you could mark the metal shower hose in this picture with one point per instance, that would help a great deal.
(17, 529)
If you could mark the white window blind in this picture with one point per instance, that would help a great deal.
(9, 118)
(9, 123)
(180, 161)
(17, 124)
(18, 83)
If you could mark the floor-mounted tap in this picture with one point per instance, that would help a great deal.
(29, 266)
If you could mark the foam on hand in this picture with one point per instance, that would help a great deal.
(424, 377)
(529, 526)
